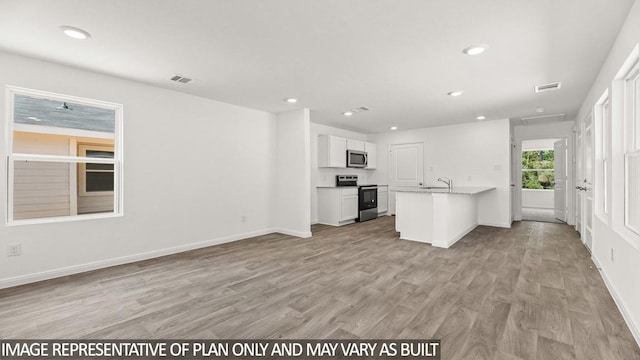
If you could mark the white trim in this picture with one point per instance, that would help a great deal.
(619, 302)
(75, 269)
(62, 97)
(58, 219)
(118, 199)
(58, 158)
(448, 243)
(300, 234)
(601, 156)
(493, 224)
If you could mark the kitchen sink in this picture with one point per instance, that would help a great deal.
(433, 187)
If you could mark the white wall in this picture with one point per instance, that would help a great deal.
(293, 198)
(538, 144)
(327, 176)
(621, 273)
(537, 198)
(472, 154)
(192, 168)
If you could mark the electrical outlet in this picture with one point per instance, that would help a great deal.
(14, 249)
(611, 254)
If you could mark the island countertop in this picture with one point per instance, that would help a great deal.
(463, 190)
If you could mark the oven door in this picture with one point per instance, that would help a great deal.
(367, 197)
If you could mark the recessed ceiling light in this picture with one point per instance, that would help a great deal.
(475, 49)
(291, 100)
(347, 113)
(455, 93)
(540, 110)
(394, 128)
(75, 32)
(480, 117)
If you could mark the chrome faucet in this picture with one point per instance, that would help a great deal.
(447, 181)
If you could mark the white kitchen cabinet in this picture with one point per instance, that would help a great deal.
(332, 151)
(372, 155)
(337, 206)
(348, 207)
(355, 145)
(383, 199)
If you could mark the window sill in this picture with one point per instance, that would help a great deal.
(62, 219)
(604, 218)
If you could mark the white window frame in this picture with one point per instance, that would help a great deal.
(82, 169)
(621, 149)
(632, 132)
(602, 147)
(117, 161)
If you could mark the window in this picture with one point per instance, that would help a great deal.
(95, 179)
(632, 149)
(64, 158)
(603, 155)
(537, 169)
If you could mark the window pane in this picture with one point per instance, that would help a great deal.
(632, 199)
(107, 167)
(41, 189)
(45, 112)
(99, 181)
(100, 154)
(44, 189)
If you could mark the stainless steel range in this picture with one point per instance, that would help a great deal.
(367, 202)
(367, 197)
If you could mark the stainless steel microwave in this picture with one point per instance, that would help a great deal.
(356, 159)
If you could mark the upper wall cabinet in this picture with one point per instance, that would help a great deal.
(332, 151)
(355, 145)
(372, 155)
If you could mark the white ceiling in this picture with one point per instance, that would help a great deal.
(399, 58)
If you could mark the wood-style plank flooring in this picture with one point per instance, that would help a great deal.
(530, 292)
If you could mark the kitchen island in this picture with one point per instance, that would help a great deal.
(438, 216)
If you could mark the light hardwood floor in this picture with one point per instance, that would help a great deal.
(530, 292)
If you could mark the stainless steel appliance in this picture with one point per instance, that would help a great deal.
(346, 180)
(367, 202)
(357, 159)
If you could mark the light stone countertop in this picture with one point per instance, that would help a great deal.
(463, 190)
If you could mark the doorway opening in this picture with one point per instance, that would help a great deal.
(543, 180)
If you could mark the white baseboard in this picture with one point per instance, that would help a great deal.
(75, 269)
(492, 224)
(621, 306)
(296, 233)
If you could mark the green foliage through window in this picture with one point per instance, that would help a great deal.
(537, 169)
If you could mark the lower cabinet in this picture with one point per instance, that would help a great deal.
(383, 199)
(337, 206)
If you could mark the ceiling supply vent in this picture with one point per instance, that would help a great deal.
(361, 108)
(543, 119)
(180, 79)
(548, 87)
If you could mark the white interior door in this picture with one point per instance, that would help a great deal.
(579, 181)
(516, 181)
(587, 208)
(560, 189)
(406, 168)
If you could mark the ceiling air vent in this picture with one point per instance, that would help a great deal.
(548, 87)
(543, 119)
(180, 79)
